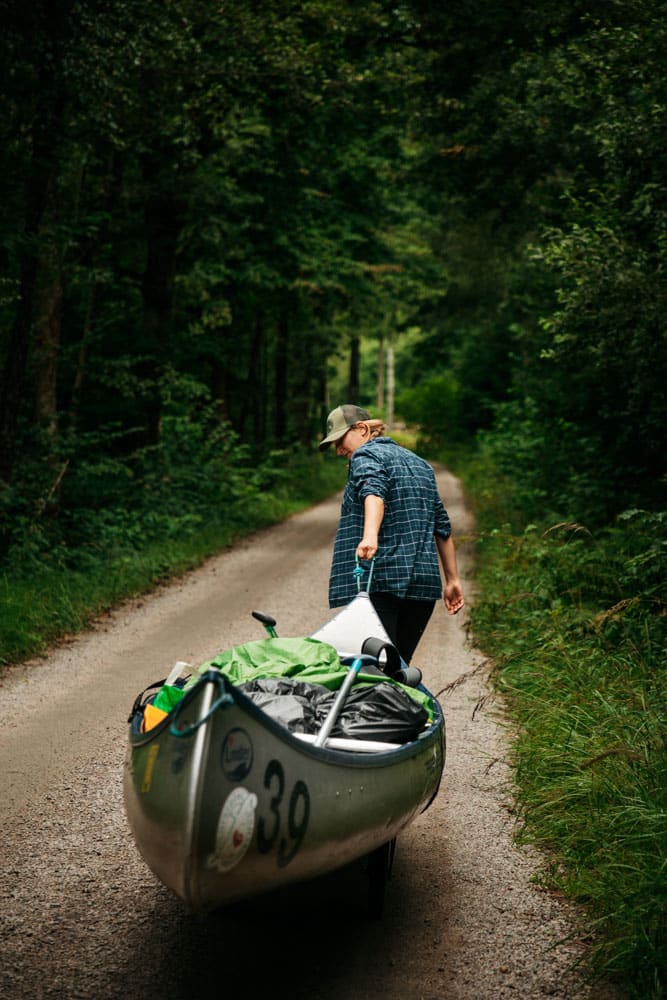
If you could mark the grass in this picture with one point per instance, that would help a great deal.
(575, 625)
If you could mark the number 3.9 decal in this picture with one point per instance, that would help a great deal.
(269, 829)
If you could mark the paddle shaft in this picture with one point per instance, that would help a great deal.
(334, 711)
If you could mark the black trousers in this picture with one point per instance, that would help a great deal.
(404, 620)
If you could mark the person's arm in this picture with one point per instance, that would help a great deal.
(453, 595)
(373, 515)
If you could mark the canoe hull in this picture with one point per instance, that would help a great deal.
(239, 806)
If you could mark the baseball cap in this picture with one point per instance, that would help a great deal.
(340, 420)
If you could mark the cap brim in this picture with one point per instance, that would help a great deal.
(323, 445)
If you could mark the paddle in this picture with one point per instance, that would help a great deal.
(339, 701)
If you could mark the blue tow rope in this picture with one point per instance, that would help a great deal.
(359, 571)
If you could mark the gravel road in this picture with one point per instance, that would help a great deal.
(82, 917)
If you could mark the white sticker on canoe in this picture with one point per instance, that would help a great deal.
(235, 829)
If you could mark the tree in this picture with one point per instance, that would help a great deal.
(553, 237)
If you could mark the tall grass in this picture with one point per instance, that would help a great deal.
(576, 626)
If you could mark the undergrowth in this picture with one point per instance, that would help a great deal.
(58, 577)
(575, 623)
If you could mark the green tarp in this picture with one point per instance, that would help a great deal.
(309, 660)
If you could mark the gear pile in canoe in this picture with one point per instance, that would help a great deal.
(282, 759)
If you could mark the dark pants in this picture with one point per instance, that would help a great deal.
(404, 620)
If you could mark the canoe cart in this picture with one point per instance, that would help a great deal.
(281, 760)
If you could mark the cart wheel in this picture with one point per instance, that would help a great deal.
(380, 864)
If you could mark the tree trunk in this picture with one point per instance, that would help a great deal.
(16, 360)
(389, 416)
(304, 388)
(35, 153)
(161, 227)
(38, 188)
(112, 195)
(219, 389)
(380, 377)
(253, 404)
(282, 379)
(82, 357)
(47, 346)
(353, 379)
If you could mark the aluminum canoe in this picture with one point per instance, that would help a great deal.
(224, 803)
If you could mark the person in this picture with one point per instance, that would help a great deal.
(392, 513)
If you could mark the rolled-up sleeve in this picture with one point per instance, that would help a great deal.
(443, 526)
(369, 477)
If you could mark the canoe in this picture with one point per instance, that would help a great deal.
(225, 802)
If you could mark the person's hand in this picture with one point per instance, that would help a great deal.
(367, 547)
(453, 596)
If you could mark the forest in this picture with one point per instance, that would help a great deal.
(221, 219)
(204, 204)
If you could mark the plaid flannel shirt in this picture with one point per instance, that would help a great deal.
(406, 563)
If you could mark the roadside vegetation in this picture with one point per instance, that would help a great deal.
(61, 574)
(575, 623)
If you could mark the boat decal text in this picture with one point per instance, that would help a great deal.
(237, 755)
(235, 829)
(276, 830)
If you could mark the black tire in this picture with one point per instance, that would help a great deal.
(380, 864)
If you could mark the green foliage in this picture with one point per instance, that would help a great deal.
(60, 573)
(235, 194)
(576, 624)
(433, 406)
(555, 470)
(192, 187)
(544, 159)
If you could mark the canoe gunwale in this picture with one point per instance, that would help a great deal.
(193, 811)
(348, 758)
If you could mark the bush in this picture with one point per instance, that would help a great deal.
(432, 405)
(120, 525)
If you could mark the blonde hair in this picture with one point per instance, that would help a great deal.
(375, 427)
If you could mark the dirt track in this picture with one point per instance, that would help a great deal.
(82, 917)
